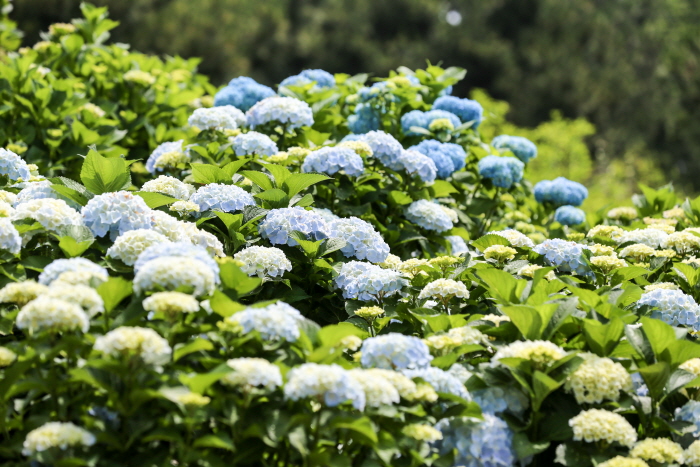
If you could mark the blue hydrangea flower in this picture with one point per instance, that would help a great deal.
(291, 113)
(41, 190)
(564, 255)
(330, 160)
(278, 321)
(364, 120)
(362, 241)
(440, 380)
(395, 351)
(502, 171)
(674, 307)
(446, 92)
(332, 383)
(9, 237)
(59, 266)
(253, 142)
(177, 249)
(13, 166)
(385, 147)
(220, 197)
(478, 443)
(640, 387)
(116, 213)
(523, 148)
(366, 282)
(421, 119)
(225, 117)
(498, 399)
(560, 192)
(243, 93)
(429, 215)
(457, 244)
(164, 148)
(466, 109)
(419, 165)
(448, 157)
(690, 413)
(569, 215)
(279, 223)
(322, 78)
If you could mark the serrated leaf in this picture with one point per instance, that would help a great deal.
(207, 173)
(279, 172)
(330, 245)
(104, 174)
(233, 167)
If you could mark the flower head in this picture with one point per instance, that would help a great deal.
(598, 379)
(565, 256)
(127, 341)
(287, 111)
(365, 281)
(220, 118)
(330, 160)
(569, 215)
(220, 197)
(52, 315)
(466, 109)
(429, 215)
(13, 166)
(55, 270)
(418, 165)
(560, 192)
(361, 240)
(250, 143)
(56, 435)
(243, 93)
(171, 304)
(330, 383)
(378, 390)
(279, 224)
(502, 171)
(52, 214)
(252, 372)
(600, 425)
(262, 261)
(321, 78)
(170, 186)
(478, 443)
(540, 352)
(278, 321)
(173, 273)
(395, 351)
(128, 246)
(116, 213)
(673, 307)
(444, 289)
(523, 148)
(384, 147)
(166, 151)
(661, 450)
(448, 157)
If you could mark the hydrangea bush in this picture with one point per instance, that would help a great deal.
(330, 272)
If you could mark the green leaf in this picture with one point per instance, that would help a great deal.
(232, 277)
(207, 173)
(655, 376)
(200, 382)
(316, 137)
(72, 248)
(259, 178)
(104, 174)
(442, 189)
(543, 386)
(276, 197)
(70, 193)
(224, 306)
(526, 319)
(489, 240)
(361, 426)
(297, 182)
(525, 448)
(603, 338)
(399, 198)
(330, 245)
(233, 167)
(628, 273)
(279, 172)
(114, 291)
(219, 441)
(659, 334)
(689, 273)
(195, 346)
(640, 343)
(155, 200)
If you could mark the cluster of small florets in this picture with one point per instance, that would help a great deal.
(262, 261)
(220, 197)
(128, 246)
(638, 252)
(116, 213)
(467, 110)
(429, 215)
(378, 390)
(361, 148)
(522, 148)
(177, 249)
(448, 157)
(540, 352)
(569, 215)
(21, 293)
(172, 151)
(225, 117)
(440, 380)
(252, 372)
(85, 297)
(330, 160)
(502, 171)
(422, 432)
(84, 268)
(565, 256)
(497, 399)
(605, 231)
(598, 379)
(457, 245)
(478, 443)
(171, 304)
(420, 119)
(366, 282)
(7, 357)
(683, 242)
(52, 315)
(51, 213)
(384, 147)
(141, 77)
(650, 237)
(529, 271)
(184, 208)
(418, 165)
(10, 239)
(287, 111)
(608, 264)
(174, 272)
(280, 223)
(243, 93)
(13, 166)
(56, 435)
(560, 192)
(361, 240)
(127, 341)
(395, 351)
(251, 143)
(278, 321)
(40, 190)
(170, 186)
(330, 383)
(444, 289)
(691, 456)
(661, 450)
(321, 78)
(600, 425)
(516, 238)
(500, 253)
(673, 307)
(623, 213)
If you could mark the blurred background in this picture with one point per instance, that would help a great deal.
(623, 74)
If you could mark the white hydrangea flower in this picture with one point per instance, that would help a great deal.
(529, 271)
(51, 314)
(444, 289)
(142, 342)
(464, 335)
(6, 209)
(174, 229)
(51, 213)
(661, 450)
(500, 253)
(692, 454)
(516, 238)
(623, 212)
(7, 357)
(204, 239)
(10, 239)
(405, 386)
(378, 390)
(56, 435)
(8, 197)
(608, 263)
(172, 272)
(252, 372)
(606, 231)
(129, 245)
(600, 425)
(184, 208)
(171, 303)
(682, 242)
(540, 352)
(85, 297)
(223, 117)
(170, 186)
(649, 237)
(115, 213)
(86, 272)
(638, 251)
(262, 261)
(421, 432)
(330, 382)
(598, 379)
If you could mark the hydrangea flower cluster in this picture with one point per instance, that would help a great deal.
(52, 315)
(649, 237)
(278, 321)
(598, 379)
(39, 190)
(85, 297)
(127, 341)
(59, 267)
(253, 143)
(220, 197)
(171, 304)
(674, 307)
(479, 443)
(127, 247)
(458, 245)
(330, 160)
(322, 78)
(172, 147)
(252, 372)
(361, 240)
(116, 213)
(287, 111)
(385, 147)
(440, 380)
(395, 352)
(418, 165)
(444, 289)
(170, 186)
(243, 93)
(429, 215)
(516, 238)
(690, 412)
(177, 249)
(366, 282)
(523, 148)
(56, 435)
(364, 120)
(569, 215)
(420, 119)
(51, 213)
(448, 157)
(497, 399)
(225, 117)
(661, 450)
(540, 352)
(502, 171)
(174, 273)
(21, 293)
(13, 166)
(466, 109)
(262, 261)
(9, 237)
(279, 223)
(564, 255)
(560, 192)
(330, 382)
(378, 390)
(600, 425)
